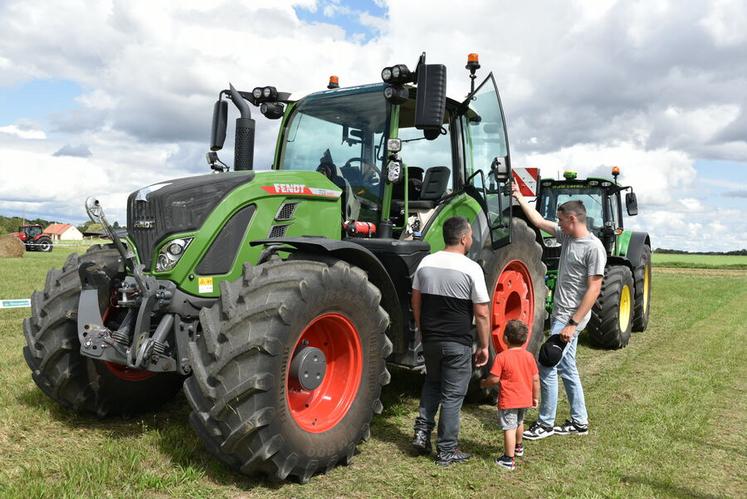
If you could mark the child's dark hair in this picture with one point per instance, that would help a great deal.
(516, 333)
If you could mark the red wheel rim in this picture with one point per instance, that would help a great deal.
(513, 299)
(123, 372)
(321, 409)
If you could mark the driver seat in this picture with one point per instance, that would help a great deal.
(435, 181)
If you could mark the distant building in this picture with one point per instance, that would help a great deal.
(63, 232)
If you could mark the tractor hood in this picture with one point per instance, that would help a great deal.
(180, 205)
(185, 205)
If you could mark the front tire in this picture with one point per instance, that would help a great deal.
(612, 314)
(52, 350)
(250, 407)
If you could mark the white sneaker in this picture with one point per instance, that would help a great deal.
(570, 427)
(538, 431)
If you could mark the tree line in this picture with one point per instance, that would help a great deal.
(665, 251)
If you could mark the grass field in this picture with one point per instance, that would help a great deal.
(700, 261)
(667, 419)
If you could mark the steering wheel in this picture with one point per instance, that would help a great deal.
(371, 173)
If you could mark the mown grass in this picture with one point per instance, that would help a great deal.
(667, 417)
(735, 262)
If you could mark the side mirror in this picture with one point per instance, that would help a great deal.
(220, 120)
(430, 105)
(500, 171)
(631, 204)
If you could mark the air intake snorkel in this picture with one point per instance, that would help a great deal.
(244, 146)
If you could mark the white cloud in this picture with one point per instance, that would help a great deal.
(726, 21)
(23, 133)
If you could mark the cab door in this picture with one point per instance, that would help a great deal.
(487, 158)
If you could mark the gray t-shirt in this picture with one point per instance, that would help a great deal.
(580, 258)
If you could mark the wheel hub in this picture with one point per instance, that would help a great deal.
(329, 350)
(308, 367)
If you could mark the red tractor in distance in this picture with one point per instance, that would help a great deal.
(34, 238)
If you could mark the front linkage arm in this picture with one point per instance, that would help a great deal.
(142, 294)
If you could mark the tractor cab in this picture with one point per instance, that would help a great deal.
(29, 232)
(401, 150)
(602, 199)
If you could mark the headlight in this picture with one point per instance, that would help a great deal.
(170, 254)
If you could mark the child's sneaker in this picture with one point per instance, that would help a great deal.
(519, 451)
(570, 427)
(538, 431)
(506, 462)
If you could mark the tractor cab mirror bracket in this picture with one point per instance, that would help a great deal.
(631, 203)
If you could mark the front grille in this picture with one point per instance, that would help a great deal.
(286, 211)
(180, 205)
(278, 231)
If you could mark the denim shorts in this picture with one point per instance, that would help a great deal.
(511, 418)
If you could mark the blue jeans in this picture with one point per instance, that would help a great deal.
(448, 371)
(571, 380)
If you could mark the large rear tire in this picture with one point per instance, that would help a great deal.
(515, 276)
(642, 276)
(612, 314)
(52, 350)
(249, 406)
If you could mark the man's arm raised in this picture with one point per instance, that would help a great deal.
(533, 215)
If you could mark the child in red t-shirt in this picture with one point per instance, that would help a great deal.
(515, 371)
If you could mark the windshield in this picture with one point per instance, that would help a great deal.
(552, 197)
(344, 129)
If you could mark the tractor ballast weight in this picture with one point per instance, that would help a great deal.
(278, 297)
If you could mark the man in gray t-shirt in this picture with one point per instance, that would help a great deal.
(580, 273)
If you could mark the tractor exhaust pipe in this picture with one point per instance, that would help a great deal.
(243, 158)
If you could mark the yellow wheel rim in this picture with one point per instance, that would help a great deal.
(646, 284)
(625, 301)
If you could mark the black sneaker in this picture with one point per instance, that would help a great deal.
(570, 427)
(519, 451)
(506, 462)
(538, 431)
(421, 442)
(452, 457)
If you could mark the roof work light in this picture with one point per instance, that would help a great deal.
(570, 175)
(397, 74)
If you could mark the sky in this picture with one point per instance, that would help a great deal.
(103, 97)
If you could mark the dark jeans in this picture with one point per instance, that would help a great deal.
(448, 371)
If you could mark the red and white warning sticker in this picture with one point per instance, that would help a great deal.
(300, 189)
(527, 179)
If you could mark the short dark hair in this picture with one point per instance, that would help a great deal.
(455, 228)
(574, 207)
(516, 333)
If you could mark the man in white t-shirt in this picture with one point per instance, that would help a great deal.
(447, 291)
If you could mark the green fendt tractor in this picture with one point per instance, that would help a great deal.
(276, 298)
(624, 302)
